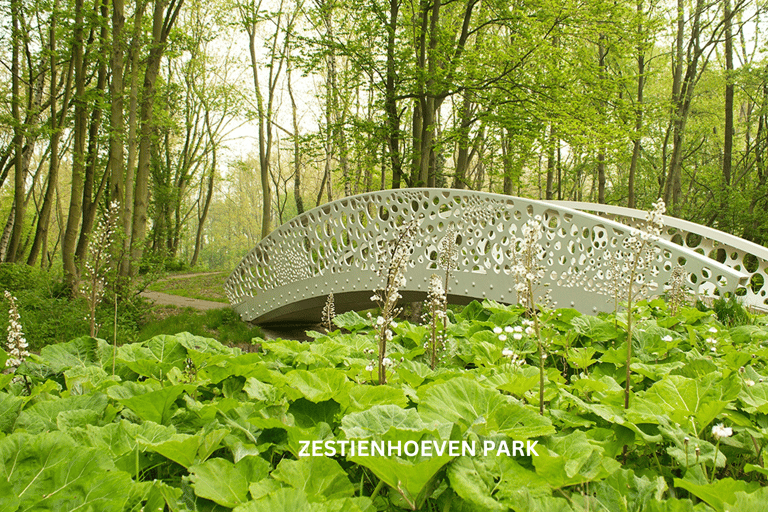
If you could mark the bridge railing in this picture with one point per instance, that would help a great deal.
(737, 253)
(333, 248)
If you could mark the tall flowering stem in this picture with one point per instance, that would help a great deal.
(529, 271)
(16, 343)
(641, 252)
(392, 263)
(677, 295)
(95, 270)
(329, 312)
(448, 250)
(436, 301)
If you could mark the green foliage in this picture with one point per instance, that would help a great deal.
(187, 423)
(730, 311)
(223, 323)
(208, 286)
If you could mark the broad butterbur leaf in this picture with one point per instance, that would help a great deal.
(49, 472)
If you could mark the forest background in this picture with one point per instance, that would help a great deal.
(206, 123)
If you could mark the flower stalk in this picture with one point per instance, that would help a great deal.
(393, 261)
(529, 272)
(641, 250)
(95, 270)
(16, 343)
(436, 300)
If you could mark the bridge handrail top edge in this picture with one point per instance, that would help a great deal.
(562, 206)
(691, 227)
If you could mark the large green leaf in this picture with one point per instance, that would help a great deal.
(703, 398)
(379, 419)
(516, 381)
(754, 502)
(48, 472)
(517, 421)
(351, 321)
(321, 478)
(719, 493)
(623, 491)
(158, 405)
(155, 357)
(43, 415)
(461, 401)
(201, 344)
(409, 478)
(262, 391)
(10, 407)
(82, 352)
(293, 500)
(594, 328)
(318, 385)
(123, 441)
(87, 379)
(494, 483)
(572, 459)
(362, 398)
(186, 449)
(218, 480)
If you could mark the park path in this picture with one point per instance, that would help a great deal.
(166, 299)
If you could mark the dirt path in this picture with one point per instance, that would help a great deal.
(191, 274)
(166, 299)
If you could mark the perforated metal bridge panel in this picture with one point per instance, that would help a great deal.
(288, 275)
(735, 252)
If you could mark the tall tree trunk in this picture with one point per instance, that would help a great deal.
(682, 102)
(603, 74)
(466, 112)
(40, 242)
(551, 162)
(506, 161)
(117, 122)
(637, 138)
(78, 154)
(296, 146)
(202, 216)
(390, 100)
(18, 134)
(90, 202)
(162, 22)
(728, 129)
(133, 123)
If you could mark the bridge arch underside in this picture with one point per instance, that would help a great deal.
(287, 277)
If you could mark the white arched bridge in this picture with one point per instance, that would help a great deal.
(287, 277)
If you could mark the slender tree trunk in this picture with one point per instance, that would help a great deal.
(637, 138)
(682, 103)
(551, 162)
(728, 129)
(18, 135)
(40, 242)
(603, 74)
(466, 112)
(78, 155)
(506, 161)
(296, 147)
(162, 22)
(266, 191)
(133, 116)
(90, 202)
(390, 101)
(116, 117)
(208, 193)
